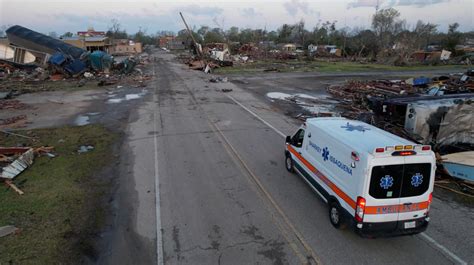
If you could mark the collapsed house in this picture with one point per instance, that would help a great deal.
(421, 109)
(61, 57)
(46, 50)
(429, 119)
(42, 46)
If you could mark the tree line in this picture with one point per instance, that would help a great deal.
(388, 31)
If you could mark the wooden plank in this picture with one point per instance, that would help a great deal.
(14, 187)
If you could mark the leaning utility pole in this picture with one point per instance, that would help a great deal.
(192, 37)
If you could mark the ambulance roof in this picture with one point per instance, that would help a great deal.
(359, 135)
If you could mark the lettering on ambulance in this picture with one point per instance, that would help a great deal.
(387, 209)
(402, 208)
(326, 154)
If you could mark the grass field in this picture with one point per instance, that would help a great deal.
(61, 206)
(38, 86)
(323, 67)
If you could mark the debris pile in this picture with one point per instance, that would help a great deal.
(423, 110)
(15, 160)
(12, 104)
(56, 60)
(13, 122)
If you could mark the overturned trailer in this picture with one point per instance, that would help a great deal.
(46, 49)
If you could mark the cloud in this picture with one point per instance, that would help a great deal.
(393, 3)
(364, 3)
(250, 12)
(198, 10)
(294, 6)
(417, 3)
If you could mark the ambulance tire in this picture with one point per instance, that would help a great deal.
(289, 164)
(336, 216)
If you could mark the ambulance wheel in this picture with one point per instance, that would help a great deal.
(289, 164)
(335, 216)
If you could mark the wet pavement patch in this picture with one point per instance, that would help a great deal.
(84, 119)
(114, 98)
(313, 104)
(81, 120)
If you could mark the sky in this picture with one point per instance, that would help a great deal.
(77, 15)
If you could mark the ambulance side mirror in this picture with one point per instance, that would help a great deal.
(288, 139)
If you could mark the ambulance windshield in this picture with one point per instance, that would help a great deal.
(399, 181)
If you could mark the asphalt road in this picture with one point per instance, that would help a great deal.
(204, 182)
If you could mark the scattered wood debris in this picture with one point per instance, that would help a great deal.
(13, 122)
(10, 184)
(12, 104)
(15, 160)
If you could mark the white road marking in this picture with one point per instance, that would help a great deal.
(159, 236)
(446, 252)
(256, 116)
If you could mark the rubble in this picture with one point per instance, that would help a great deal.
(13, 122)
(5, 95)
(85, 149)
(219, 80)
(12, 104)
(15, 160)
(57, 60)
(421, 109)
(100, 61)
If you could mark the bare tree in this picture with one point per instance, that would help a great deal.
(424, 33)
(115, 27)
(386, 24)
(453, 38)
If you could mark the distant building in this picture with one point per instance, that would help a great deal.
(289, 47)
(126, 47)
(96, 43)
(91, 33)
(175, 45)
(423, 56)
(164, 40)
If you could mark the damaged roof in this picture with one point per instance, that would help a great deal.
(32, 40)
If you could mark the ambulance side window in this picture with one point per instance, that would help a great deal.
(297, 139)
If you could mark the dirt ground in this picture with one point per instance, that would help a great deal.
(75, 109)
(57, 108)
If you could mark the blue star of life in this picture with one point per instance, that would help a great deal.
(325, 153)
(416, 180)
(386, 182)
(349, 127)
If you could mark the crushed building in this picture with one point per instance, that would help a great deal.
(24, 40)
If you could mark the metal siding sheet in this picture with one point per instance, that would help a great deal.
(19, 165)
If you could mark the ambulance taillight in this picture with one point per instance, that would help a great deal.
(430, 199)
(360, 209)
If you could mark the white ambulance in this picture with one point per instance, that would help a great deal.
(374, 181)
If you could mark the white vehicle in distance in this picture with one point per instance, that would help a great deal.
(374, 181)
